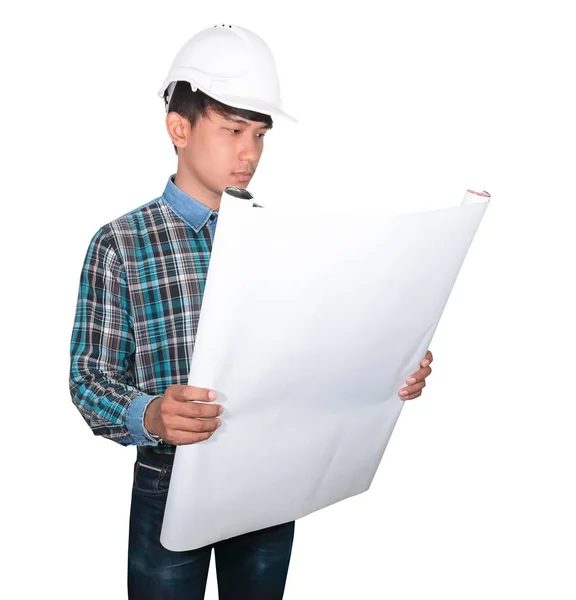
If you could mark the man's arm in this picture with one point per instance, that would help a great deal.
(102, 348)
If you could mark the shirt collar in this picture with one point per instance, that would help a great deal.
(185, 206)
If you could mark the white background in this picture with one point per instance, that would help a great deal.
(400, 105)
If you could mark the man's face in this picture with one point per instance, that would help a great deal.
(223, 151)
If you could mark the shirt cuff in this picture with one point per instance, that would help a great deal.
(135, 420)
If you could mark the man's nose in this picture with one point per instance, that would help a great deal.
(248, 149)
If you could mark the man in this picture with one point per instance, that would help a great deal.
(139, 302)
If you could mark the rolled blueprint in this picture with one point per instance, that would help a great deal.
(471, 197)
(308, 329)
(233, 193)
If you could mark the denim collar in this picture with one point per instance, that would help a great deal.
(186, 207)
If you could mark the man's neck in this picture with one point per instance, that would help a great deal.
(190, 186)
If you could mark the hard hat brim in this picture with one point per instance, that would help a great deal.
(255, 105)
(239, 102)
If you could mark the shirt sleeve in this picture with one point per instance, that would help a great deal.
(102, 350)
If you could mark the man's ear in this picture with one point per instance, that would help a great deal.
(178, 129)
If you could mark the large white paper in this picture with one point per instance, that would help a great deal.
(309, 327)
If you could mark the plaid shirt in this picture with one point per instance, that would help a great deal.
(139, 300)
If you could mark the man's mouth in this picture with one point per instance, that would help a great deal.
(243, 176)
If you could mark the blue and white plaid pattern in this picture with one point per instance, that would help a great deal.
(138, 308)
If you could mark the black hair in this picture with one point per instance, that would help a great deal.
(193, 105)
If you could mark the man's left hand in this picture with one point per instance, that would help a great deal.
(417, 381)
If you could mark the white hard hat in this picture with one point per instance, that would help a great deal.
(232, 65)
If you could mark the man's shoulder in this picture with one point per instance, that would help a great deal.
(138, 220)
(125, 229)
(139, 216)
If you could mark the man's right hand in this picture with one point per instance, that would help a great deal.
(179, 421)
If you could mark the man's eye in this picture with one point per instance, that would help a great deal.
(238, 131)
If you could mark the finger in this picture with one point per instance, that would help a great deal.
(412, 396)
(181, 438)
(194, 425)
(420, 375)
(411, 389)
(428, 358)
(197, 410)
(186, 393)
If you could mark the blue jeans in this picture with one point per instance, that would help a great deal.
(252, 566)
